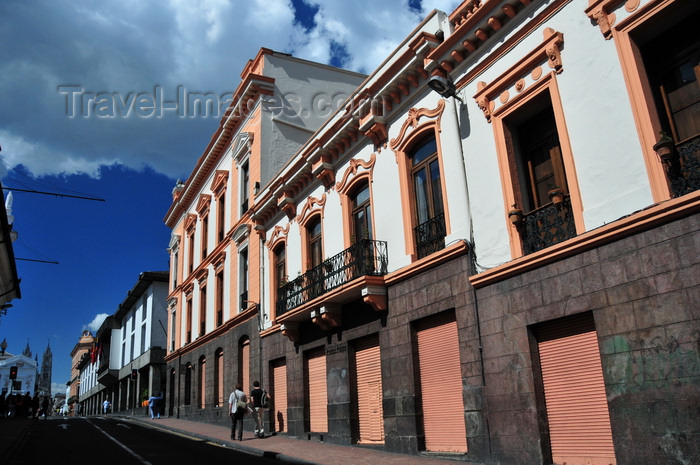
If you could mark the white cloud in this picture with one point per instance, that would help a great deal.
(134, 46)
(95, 324)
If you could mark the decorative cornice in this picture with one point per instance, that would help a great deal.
(218, 185)
(174, 242)
(414, 116)
(549, 50)
(277, 234)
(355, 164)
(190, 222)
(203, 204)
(309, 209)
(600, 11)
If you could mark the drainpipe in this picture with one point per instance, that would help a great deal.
(454, 111)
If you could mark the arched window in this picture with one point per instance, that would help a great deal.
(219, 377)
(188, 383)
(202, 381)
(244, 363)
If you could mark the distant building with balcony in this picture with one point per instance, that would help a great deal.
(487, 252)
(84, 345)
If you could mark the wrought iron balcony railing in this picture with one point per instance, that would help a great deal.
(430, 236)
(546, 226)
(684, 173)
(365, 258)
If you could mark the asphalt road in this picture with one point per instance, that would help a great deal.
(107, 441)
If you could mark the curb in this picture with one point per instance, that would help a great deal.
(253, 451)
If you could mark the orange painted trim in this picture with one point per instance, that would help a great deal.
(641, 95)
(644, 220)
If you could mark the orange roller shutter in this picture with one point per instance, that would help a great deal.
(441, 385)
(317, 391)
(369, 391)
(574, 389)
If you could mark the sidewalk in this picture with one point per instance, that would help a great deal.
(289, 450)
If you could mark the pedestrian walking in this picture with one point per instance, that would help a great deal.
(154, 403)
(106, 405)
(237, 408)
(260, 402)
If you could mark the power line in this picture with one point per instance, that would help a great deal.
(52, 262)
(53, 193)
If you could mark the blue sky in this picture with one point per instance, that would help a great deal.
(56, 141)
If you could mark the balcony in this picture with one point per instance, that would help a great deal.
(546, 226)
(430, 236)
(365, 258)
(683, 169)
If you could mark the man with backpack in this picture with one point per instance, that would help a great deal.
(260, 401)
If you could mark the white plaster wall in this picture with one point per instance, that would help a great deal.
(609, 165)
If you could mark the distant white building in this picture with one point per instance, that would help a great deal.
(126, 363)
(25, 380)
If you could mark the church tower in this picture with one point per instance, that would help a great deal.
(44, 387)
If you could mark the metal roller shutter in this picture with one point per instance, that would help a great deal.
(369, 391)
(441, 385)
(317, 391)
(574, 389)
(279, 396)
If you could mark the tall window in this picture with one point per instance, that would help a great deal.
(361, 213)
(243, 276)
(315, 243)
(220, 298)
(202, 381)
(280, 266)
(188, 336)
(205, 235)
(219, 377)
(190, 250)
(220, 217)
(427, 190)
(540, 186)
(176, 260)
(674, 74)
(202, 311)
(533, 136)
(173, 328)
(245, 180)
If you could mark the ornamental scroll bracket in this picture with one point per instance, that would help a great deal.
(549, 50)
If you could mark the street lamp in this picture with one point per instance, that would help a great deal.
(3, 346)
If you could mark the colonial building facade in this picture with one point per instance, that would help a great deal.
(489, 251)
(125, 361)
